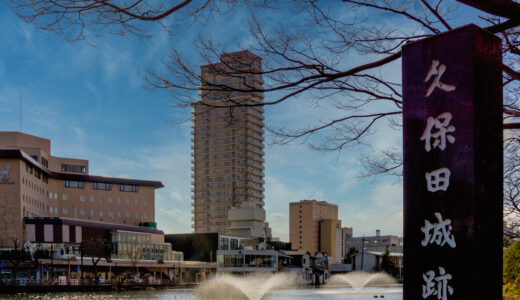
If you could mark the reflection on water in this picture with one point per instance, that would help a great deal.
(346, 293)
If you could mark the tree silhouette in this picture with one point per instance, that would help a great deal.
(96, 248)
(336, 59)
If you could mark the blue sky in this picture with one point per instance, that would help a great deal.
(88, 98)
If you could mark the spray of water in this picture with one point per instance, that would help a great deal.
(358, 280)
(250, 287)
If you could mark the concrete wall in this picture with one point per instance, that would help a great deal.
(10, 208)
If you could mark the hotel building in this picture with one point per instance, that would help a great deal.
(304, 225)
(228, 149)
(33, 183)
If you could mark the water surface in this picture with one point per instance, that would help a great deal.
(346, 293)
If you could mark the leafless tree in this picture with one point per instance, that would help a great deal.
(335, 58)
(134, 255)
(97, 248)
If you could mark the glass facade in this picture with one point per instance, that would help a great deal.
(138, 246)
(239, 260)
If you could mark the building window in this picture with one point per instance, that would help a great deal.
(101, 199)
(111, 213)
(45, 162)
(119, 214)
(37, 173)
(92, 199)
(145, 202)
(45, 178)
(65, 197)
(81, 197)
(128, 214)
(101, 213)
(92, 212)
(50, 209)
(73, 168)
(56, 210)
(118, 200)
(127, 201)
(101, 186)
(145, 215)
(65, 210)
(82, 212)
(74, 184)
(29, 168)
(109, 199)
(56, 196)
(136, 201)
(137, 215)
(128, 188)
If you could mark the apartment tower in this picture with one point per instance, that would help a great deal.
(305, 218)
(228, 148)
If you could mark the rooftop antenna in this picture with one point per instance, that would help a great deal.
(20, 111)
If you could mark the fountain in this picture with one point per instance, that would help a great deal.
(250, 287)
(359, 279)
(358, 283)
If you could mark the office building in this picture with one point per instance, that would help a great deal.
(63, 237)
(333, 238)
(304, 223)
(340, 243)
(378, 243)
(203, 246)
(33, 183)
(228, 149)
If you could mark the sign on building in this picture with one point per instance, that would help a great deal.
(452, 117)
(4, 175)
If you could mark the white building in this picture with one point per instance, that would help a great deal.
(375, 243)
(370, 261)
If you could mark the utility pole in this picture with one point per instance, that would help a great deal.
(20, 111)
(362, 251)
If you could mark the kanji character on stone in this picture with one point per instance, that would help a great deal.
(437, 70)
(437, 285)
(438, 180)
(442, 124)
(438, 233)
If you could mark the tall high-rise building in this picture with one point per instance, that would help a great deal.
(304, 223)
(228, 148)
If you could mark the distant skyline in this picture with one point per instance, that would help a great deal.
(89, 100)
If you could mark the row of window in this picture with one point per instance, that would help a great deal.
(100, 186)
(101, 199)
(33, 186)
(74, 184)
(37, 173)
(34, 202)
(110, 213)
(73, 168)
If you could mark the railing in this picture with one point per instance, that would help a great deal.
(84, 282)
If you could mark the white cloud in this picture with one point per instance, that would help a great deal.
(381, 208)
(279, 223)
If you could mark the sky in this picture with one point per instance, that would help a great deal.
(90, 100)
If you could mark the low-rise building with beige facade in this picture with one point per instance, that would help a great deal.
(304, 223)
(33, 183)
